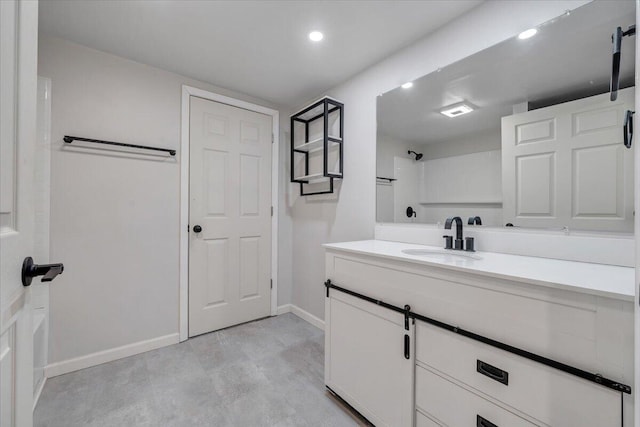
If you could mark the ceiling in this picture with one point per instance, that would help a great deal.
(258, 48)
(569, 58)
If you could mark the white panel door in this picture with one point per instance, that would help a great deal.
(230, 201)
(18, 83)
(566, 165)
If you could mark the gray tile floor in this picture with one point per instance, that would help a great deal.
(264, 373)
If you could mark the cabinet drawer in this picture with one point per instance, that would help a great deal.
(454, 406)
(549, 395)
(424, 421)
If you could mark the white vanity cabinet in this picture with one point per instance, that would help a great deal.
(454, 380)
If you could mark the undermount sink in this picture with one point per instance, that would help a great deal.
(442, 254)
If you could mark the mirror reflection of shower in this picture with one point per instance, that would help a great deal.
(418, 155)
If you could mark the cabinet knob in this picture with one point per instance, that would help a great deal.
(197, 228)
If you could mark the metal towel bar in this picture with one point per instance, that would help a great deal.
(69, 139)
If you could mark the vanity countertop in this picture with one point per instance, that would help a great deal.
(596, 279)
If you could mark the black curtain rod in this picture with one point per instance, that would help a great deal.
(595, 378)
(69, 139)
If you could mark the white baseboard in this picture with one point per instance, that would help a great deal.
(303, 314)
(282, 309)
(93, 359)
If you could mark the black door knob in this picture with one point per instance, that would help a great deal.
(31, 270)
(411, 212)
(197, 228)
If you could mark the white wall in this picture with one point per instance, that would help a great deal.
(406, 189)
(477, 142)
(390, 153)
(388, 147)
(114, 217)
(351, 215)
(462, 152)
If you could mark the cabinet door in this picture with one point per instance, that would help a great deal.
(365, 361)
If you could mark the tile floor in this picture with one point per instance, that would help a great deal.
(263, 373)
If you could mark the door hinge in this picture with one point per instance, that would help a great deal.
(271, 210)
(271, 283)
(273, 138)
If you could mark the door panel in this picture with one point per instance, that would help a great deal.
(230, 198)
(18, 84)
(217, 271)
(250, 272)
(598, 194)
(535, 180)
(215, 165)
(249, 185)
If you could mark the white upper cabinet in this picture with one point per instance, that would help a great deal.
(566, 165)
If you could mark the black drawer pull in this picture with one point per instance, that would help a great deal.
(492, 372)
(481, 422)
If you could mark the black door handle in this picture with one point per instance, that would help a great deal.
(628, 128)
(47, 271)
(197, 228)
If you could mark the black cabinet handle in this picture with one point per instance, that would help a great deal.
(628, 128)
(407, 354)
(483, 422)
(47, 271)
(492, 372)
(197, 228)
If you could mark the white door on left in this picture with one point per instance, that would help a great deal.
(18, 84)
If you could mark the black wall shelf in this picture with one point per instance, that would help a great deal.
(319, 110)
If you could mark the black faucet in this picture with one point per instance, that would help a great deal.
(458, 244)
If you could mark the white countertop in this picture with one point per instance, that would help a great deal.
(596, 279)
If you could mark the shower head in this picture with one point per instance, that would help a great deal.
(418, 155)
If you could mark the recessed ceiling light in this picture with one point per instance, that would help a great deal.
(316, 36)
(456, 110)
(407, 85)
(527, 33)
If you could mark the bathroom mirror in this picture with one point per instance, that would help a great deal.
(521, 134)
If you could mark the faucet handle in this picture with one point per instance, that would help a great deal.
(448, 242)
(458, 245)
(469, 244)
